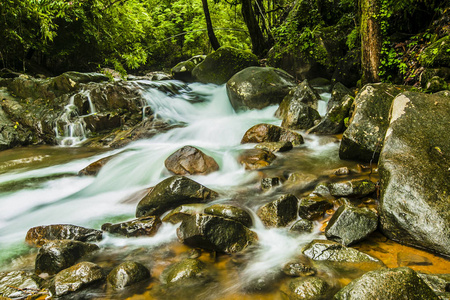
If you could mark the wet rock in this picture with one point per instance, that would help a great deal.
(41, 234)
(364, 137)
(280, 212)
(19, 284)
(258, 87)
(254, 159)
(76, 278)
(354, 188)
(439, 283)
(301, 181)
(231, 212)
(321, 190)
(215, 233)
(338, 94)
(334, 121)
(145, 226)
(183, 71)
(219, 66)
(95, 167)
(350, 224)
(127, 273)
(157, 76)
(55, 256)
(190, 161)
(102, 122)
(389, 284)
(187, 269)
(302, 226)
(436, 54)
(414, 171)
(342, 171)
(172, 192)
(296, 268)
(335, 252)
(301, 116)
(271, 133)
(261, 282)
(183, 212)
(306, 288)
(275, 146)
(269, 183)
(312, 208)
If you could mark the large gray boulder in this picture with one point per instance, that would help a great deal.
(387, 284)
(258, 87)
(219, 66)
(414, 170)
(364, 137)
(171, 193)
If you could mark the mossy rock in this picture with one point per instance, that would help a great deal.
(306, 288)
(280, 212)
(230, 212)
(76, 278)
(127, 273)
(186, 269)
(437, 54)
(183, 71)
(219, 66)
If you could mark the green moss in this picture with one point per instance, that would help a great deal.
(437, 54)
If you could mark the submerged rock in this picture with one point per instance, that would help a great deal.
(296, 268)
(258, 87)
(414, 170)
(280, 212)
(219, 66)
(76, 278)
(350, 224)
(389, 284)
(172, 192)
(183, 212)
(256, 158)
(270, 183)
(95, 167)
(41, 234)
(230, 212)
(215, 233)
(145, 226)
(312, 208)
(302, 226)
(354, 188)
(261, 133)
(336, 252)
(192, 161)
(187, 269)
(127, 273)
(55, 256)
(275, 146)
(19, 284)
(306, 288)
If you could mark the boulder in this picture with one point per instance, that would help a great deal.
(261, 133)
(350, 224)
(302, 226)
(363, 139)
(437, 54)
(306, 288)
(323, 250)
(313, 207)
(76, 278)
(187, 269)
(439, 283)
(280, 212)
(126, 274)
(389, 284)
(354, 188)
(172, 192)
(190, 161)
(55, 256)
(219, 66)
(19, 284)
(435, 79)
(275, 146)
(95, 167)
(334, 121)
(145, 226)
(254, 159)
(182, 212)
(42, 234)
(258, 87)
(414, 172)
(231, 212)
(215, 233)
(183, 71)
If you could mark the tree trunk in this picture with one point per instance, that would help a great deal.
(371, 40)
(258, 41)
(212, 37)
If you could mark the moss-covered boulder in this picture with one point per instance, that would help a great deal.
(190, 161)
(435, 79)
(172, 192)
(334, 121)
(306, 288)
(258, 87)
(437, 54)
(183, 71)
(219, 66)
(261, 133)
(126, 274)
(352, 188)
(253, 159)
(313, 207)
(280, 212)
(145, 226)
(42, 234)
(76, 278)
(230, 212)
(189, 269)
(414, 170)
(389, 284)
(350, 224)
(364, 137)
(215, 233)
(55, 256)
(18, 284)
(439, 283)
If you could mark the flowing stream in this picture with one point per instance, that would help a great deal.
(40, 186)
